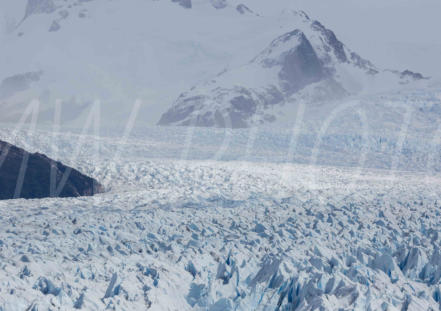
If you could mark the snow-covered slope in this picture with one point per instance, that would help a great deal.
(174, 234)
(119, 51)
(308, 64)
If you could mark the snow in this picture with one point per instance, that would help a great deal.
(232, 232)
(153, 50)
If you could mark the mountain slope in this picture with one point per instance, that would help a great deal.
(308, 64)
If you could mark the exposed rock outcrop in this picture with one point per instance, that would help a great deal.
(243, 9)
(184, 3)
(219, 4)
(39, 7)
(28, 175)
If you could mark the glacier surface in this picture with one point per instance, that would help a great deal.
(207, 230)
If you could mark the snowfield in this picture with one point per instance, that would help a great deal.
(220, 229)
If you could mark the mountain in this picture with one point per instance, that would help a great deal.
(117, 52)
(307, 64)
(26, 175)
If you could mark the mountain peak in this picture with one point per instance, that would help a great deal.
(308, 63)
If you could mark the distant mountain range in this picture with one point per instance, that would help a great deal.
(217, 63)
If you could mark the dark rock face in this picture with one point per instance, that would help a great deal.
(26, 175)
(243, 9)
(240, 109)
(410, 74)
(184, 3)
(54, 27)
(301, 66)
(331, 39)
(362, 63)
(219, 4)
(39, 7)
(179, 113)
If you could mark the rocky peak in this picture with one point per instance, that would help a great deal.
(332, 41)
(219, 4)
(298, 61)
(413, 75)
(39, 7)
(243, 9)
(184, 3)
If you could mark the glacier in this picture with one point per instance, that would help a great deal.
(212, 231)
